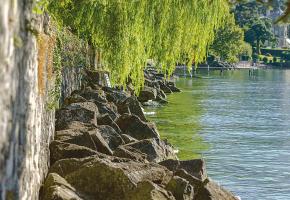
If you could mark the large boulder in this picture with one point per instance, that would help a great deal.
(131, 106)
(60, 150)
(66, 166)
(180, 188)
(107, 120)
(76, 125)
(151, 83)
(115, 95)
(100, 138)
(128, 139)
(107, 108)
(91, 95)
(132, 125)
(76, 136)
(195, 167)
(112, 178)
(123, 108)
(92, 77)
(172, 87)
(147, 93)
(161, 96)
(150, 191)
(101, 143)
(164, 87)
(85, 112)
(155, 149)
(212, 191)
(112, 138)
(56, 187)
(131, 153)
(74, 98)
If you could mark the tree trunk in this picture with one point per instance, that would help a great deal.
(258, 46)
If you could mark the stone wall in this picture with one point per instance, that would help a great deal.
(71, 80)
(26, 77)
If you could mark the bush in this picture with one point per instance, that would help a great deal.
(275, 59)
(265, 60)
(285, 55)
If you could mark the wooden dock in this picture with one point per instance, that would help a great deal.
(183, 70)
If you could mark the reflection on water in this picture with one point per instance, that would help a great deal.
(239, 124)
(180, 120)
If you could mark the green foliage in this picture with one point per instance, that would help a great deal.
(260, 31)
(285, 55)
(257, 30)
(265, 59)
(40, 6)
(69, 51)
(274, 52)
(246, 50)
(246, 13)
(229, 42)
(130, 32)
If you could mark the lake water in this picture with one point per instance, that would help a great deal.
(239, 124)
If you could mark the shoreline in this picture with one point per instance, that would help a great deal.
(103, 141)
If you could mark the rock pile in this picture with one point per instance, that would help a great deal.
(105, 149)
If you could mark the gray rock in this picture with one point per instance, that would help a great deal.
(69, 165)
(91, 95)
(107, 108)
(76, 125)
(133, 126)
(107, 120)
(123, 108)
(150, 191)
(131, 153)
(128, 139)
(85, 112)
(92, 77)
(56, 187)
(172, 87)
(112, 138)
(60, 150)
(164, 87)
(161, 96)
(76, 136)
(147, 93)
(195, 167)
(132, 106)
(114, 95)
(112, 178)
(197, 183)
(151, 83)
(180, 188)
(101, 143)
(100, 138)
(171, 164)
(212, 191)
(155, 149)
(73, 99)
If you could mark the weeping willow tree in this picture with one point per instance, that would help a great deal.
(128, 32)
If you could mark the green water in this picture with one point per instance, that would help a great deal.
(239, 124)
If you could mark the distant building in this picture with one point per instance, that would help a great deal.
(280, 30)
